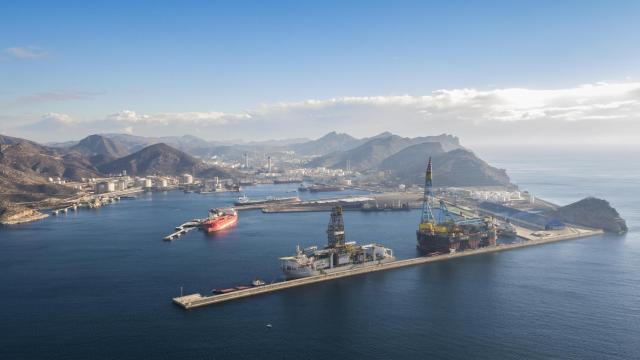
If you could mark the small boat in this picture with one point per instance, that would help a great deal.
(258, 282)
(242, 199)
(269, 326)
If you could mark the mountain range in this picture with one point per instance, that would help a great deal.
(25, 166)
(403, 158)
(457, 167)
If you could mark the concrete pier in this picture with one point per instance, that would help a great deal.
(180, 230)
(197, 300)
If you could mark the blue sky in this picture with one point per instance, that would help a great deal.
(85, 61)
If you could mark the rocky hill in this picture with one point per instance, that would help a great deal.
(14, 214)
(190, 144)
(592, 212)
(405, 159)
(458, 167)
(161, 159)
(371, 154)
(94, 145)
(329, 143)
(364, 157)
(9, 140)
(37, 160)
(25, 167)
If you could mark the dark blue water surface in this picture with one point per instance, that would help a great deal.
(99, 283)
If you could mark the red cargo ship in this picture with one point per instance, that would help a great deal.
(219, 219)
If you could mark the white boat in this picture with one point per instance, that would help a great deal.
(258, 282)
(243, 199)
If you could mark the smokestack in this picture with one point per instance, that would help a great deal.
(269, 164)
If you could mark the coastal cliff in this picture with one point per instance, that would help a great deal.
(592, 212)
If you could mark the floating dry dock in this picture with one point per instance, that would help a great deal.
(198, 300)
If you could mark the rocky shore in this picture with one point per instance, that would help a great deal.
(15, 214)
(594, 213)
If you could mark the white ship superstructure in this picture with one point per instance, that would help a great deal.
(337, 256)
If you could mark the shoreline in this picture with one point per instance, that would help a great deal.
(27, 214)
(34, 215)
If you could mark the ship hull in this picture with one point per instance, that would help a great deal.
(433, 243)
(445, 243)
(304, 272)
(221, 223)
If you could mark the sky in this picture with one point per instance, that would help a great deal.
(508, 72)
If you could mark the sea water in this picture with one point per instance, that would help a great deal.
(99, 283)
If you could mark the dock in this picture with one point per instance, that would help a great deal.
(197, 300)
(183, 229)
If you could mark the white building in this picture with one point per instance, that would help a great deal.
(105, 187)
(121, 185)
(187, 179)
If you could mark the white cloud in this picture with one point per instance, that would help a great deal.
(206, 118)
(127, 130)
(57, 119)
(599, 100)
(26, 53)
(591, 113)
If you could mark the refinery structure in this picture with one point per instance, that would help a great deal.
(441, 231)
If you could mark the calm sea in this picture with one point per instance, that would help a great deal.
(98, 284)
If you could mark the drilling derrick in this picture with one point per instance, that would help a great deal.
(446, 233)
(427, 200)
(335, 230)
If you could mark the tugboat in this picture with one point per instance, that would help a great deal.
(338, 255)
(254, 283)
(219, 219)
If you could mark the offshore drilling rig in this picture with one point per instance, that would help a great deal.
(338, 255)
(446, 232)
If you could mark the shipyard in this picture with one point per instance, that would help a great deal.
(442, 234)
